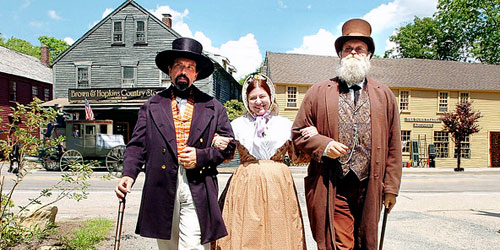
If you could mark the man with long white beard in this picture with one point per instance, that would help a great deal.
(356, 157)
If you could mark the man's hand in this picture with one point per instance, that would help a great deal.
(123, 187)
(389, 201)
(187, 158)
(221, 142)
(336, 149)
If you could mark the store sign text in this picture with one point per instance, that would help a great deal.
(112, 93)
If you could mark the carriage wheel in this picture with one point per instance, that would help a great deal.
(70, 158)
(114, 160)
(50, 163)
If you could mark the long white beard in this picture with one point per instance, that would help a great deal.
(353, 69)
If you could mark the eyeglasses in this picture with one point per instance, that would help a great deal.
(189, 68)
(359, 50)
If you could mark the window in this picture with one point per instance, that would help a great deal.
(465, 150)
(140, 32)
(46, 94)
(128, 76)
(464, 97)
(405, 140)
(34, 92)
(443, 101)
(291, 101)
(117, 32)
(83, 77)
(441, 141)
(165, 80)
(89, 130)
(13, 91)
(404, 100)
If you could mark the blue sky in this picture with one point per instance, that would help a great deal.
(242, 30)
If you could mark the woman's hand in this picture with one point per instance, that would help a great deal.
(309, 132)
(221, 142)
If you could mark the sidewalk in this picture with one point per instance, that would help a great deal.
(413, 171)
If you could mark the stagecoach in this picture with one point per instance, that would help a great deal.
(89, 140)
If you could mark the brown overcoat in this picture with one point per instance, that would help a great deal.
(320, 109)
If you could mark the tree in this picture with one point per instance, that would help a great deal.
(56, 46)
(461, 123)
(234, 109)
(460, 30)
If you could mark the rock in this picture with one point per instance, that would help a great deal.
(41, 217)
(51, 248)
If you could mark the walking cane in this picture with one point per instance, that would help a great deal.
(119, 223)
(384, 222)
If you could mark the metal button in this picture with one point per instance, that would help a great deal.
(163, 166)
(163, 150)
(201, 140)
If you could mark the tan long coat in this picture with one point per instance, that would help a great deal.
(320, 109)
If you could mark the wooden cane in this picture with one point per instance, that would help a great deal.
(119, 223)
(384, 222)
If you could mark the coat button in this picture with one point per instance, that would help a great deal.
(163, 166)
(201, 140)
(203, 168)
(201, 171)
(163, 150)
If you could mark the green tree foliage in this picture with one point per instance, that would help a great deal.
(461, 123)
(56, 47)
(460, 30)
(22, 46)
(234, 109)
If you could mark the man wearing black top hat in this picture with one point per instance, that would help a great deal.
(172, 138)
(356, 158)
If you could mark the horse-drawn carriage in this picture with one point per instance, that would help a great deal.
(89, 140)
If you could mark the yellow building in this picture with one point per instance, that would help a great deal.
(425, 89)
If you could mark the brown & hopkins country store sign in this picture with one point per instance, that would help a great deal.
(112, 94)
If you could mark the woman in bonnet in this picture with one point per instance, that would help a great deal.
(260, 205)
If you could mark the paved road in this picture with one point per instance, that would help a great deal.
(436, 209)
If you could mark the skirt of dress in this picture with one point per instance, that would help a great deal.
(261, 210)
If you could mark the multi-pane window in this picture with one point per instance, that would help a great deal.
(465, 150)
(405, 140)
(464, 97)
(83, 77)
(140, 32)
(46, 94)
(404, 100)
(165, 80)
(13, 91)
(443, 101)
(34, 92)
(117, 31)
(441, 141)
(291, 100)
(128, 76)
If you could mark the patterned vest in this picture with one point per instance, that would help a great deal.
(182, 124)
(355, 129)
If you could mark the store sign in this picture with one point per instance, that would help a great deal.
(414, 119)
(113, 93)
(423, 125)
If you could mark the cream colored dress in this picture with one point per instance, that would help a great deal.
(260, 205)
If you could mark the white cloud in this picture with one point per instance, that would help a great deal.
(309, 7)
(244, 53)
(37, 24)
(320, 43)
(53, 15)
(282, 5)
(106, 12)
(69, 40)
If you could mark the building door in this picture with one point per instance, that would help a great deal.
(495, 149)
(121, 128)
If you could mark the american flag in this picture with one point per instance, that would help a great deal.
(89, 115)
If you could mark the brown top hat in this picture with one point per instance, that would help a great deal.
(186, 48)
(358, 29)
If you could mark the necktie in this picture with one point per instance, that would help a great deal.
(356, 89)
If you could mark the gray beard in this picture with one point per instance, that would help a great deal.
(352, 70)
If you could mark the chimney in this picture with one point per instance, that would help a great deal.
(44, 55)
(167, 20)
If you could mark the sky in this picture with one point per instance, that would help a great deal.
(241, 30)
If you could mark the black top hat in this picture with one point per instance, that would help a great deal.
(186, 48)
(358, 29)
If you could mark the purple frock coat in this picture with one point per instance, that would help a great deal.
(153, 145)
